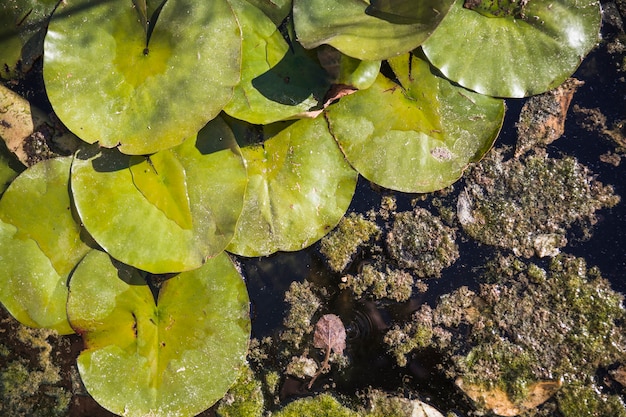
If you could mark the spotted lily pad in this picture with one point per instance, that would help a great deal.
(279, 80)
(40, 244)
(371, 30)
(416, 136)
(109, 84)
(299, 187)
(522, 51)
(167, 212)
(173, 357)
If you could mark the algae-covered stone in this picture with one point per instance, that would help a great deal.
(588, 401)
(420, 241)
(380, 281)
(385, 405)
(303, 304)
(341, 245)
(528, 204)
(323, 405)
(31, 381)
(244, 399)
(525, 326)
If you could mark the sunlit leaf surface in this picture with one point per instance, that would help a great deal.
(299, 187)
(167, 212)
(519, 55)
(40, 244)
(378, 30)
(173, 357)
(416, 136)
(108, 85)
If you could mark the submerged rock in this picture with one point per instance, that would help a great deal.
(528, 204)
(525, 326)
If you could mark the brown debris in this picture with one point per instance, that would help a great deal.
(542, 120)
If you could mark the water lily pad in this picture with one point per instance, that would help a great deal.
(175, 357)
(167, 212)
(279, 80)
(299, 187)
(22, 30)
(416, 136)
(516, 55)
(40, 244)
(374, 31)
(109, 85)
(277, 10)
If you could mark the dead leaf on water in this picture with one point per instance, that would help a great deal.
(330, 334)
(498, 401)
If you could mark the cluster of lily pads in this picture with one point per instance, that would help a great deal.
(238, 126)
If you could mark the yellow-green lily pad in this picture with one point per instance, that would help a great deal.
(168, 212)
(418, 135)
(279, 80)
(173, 357)
(40, 244)
(109, 84)
(367, 30)
(525, 50)
(299, 187)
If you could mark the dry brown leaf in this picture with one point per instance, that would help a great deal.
(542, 119)
(330, 333)
(498, 401)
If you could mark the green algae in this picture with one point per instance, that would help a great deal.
(528, 204)
(420, 241)
(323, 405)
(340, 246)
(31, 381)
(526, 324)
(303, 304)
(245, 398)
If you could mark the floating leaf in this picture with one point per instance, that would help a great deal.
(167, 212)
(108, 86)
(498, 401)
(277, 10)
(416, 136)
(175, 357)
(279, 81)
(299, 187)
(330, 334)
(519, 55)
(40, 244)
(368, 32)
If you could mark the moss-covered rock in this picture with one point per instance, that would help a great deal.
(341, 245)
(528, 204)
(323, 405)
(420, 241)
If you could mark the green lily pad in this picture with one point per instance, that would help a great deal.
(416, 136)
(108, 85)
(367, 30)
(167, 212)
(277, 10)
(40, 244)
(299, 187)
(175, 357)
(529, 52)
(22, 30)
(279, 81)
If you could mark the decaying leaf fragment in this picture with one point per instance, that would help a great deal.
(27, 131)
(542, 119)
(498, 401)
(330, 334)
